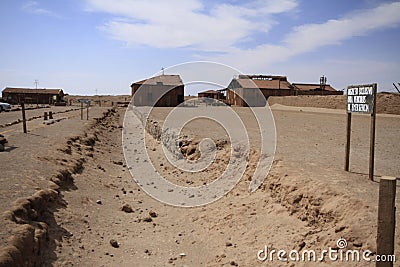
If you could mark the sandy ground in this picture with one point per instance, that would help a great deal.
(306, 202)
(388, 103)
(31, 159)
(103, 100)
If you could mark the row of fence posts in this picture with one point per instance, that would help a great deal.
(87, 110)
(49, 115)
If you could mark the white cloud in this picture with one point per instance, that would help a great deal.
(177, 23)
(310, 37)
(34, 8)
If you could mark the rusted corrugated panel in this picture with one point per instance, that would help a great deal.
(312, 87)
(32, 91)
(264, 84)
(164, 79)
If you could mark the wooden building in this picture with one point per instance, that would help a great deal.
(32, 96)
(160, 91)
(314, 89)
(212, 94)
(254, 90)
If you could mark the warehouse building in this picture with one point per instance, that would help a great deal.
(314, 89)
(254, 90)
(212, 94)
(32, 96)
(160, 91)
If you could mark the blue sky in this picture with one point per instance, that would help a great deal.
(105, 45)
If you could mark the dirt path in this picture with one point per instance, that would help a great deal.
(86, 227)
(29, 167)
(307, 202)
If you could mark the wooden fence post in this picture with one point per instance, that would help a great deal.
(81, 110)
(386, 219)
(23, 117)
(87, 111)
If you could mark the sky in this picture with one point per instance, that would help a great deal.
(101, 46)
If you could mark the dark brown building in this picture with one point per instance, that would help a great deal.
(254, 90)
(32, 96)
(160, 91)
(314, 89)
(212, 94)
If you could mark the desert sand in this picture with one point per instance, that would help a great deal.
(68, 198)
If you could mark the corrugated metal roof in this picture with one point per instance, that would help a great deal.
(210, 92)
(264, 84)
(262, 77)
(31, 91)
(312, 87)
(164, 79)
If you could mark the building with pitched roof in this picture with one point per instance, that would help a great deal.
(254, 90)
(211, 94)
(14, 95)
(314, 89)
(159, 91)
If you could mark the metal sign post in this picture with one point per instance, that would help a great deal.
(361, 99)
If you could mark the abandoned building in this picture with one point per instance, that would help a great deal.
(32, 96)
(245, 89)
(254, 90)
(314, 89)
(160, 91)
(212, 94)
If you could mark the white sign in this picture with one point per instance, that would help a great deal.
(360, 98)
